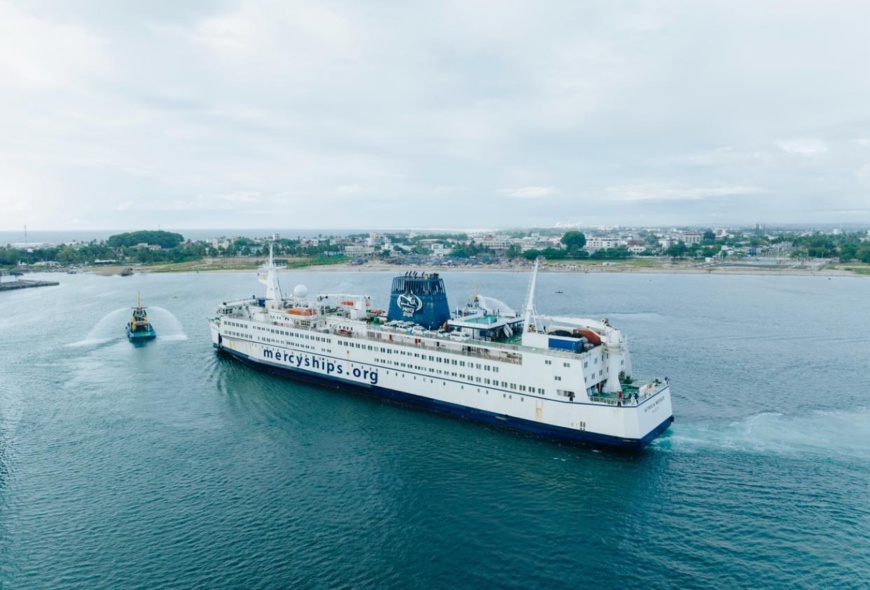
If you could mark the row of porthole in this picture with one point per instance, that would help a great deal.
(444, 383)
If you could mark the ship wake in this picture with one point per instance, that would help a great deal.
(834, 433)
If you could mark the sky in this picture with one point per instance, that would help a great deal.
(447, 114)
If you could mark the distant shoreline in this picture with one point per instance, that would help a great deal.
(561, 267)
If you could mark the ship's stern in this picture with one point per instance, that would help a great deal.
(653, 416)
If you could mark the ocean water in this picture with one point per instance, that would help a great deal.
(167, 466)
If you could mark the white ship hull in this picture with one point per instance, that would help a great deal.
(510, 387)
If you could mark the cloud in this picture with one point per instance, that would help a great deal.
(529, 192)
(237, 201)
(659, 192)
(804, 147)
(121, 114)
(47, 54)
(350, 189)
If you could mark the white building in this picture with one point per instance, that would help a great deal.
(602, 243)
(357, 251)
(496, 243)
(440, 250)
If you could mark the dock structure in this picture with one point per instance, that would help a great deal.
(10, 281)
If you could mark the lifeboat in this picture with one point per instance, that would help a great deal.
(303, 311)
(590, 335)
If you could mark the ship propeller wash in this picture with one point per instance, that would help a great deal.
(564, 378)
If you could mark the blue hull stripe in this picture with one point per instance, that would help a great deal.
(499, 420)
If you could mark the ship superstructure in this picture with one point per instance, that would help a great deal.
(562, 377)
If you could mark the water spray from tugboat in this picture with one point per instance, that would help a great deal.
(110, 328)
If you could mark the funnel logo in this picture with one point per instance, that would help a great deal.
(409, 304)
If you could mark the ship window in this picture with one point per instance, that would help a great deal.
(558, 378)
(541, 390)
(567, 364)
(461, 363)
(548, 362)
(586, 365)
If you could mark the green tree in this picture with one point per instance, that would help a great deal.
(677, 250)
(164, 239)
(513, 251)
(573, 240)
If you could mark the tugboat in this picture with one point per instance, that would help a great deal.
(139, 328)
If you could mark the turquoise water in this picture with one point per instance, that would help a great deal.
(168, 466)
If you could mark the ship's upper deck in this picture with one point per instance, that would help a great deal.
(335, 321)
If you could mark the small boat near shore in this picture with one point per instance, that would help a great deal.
(139, 328)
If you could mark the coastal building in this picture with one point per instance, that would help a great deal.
(599, 243)
(440, 250)
(355, 251)
(496, 243)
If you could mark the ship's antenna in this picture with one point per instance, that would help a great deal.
(530, 300)
(273, 288)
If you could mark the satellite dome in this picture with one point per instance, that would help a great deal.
(300, 291)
